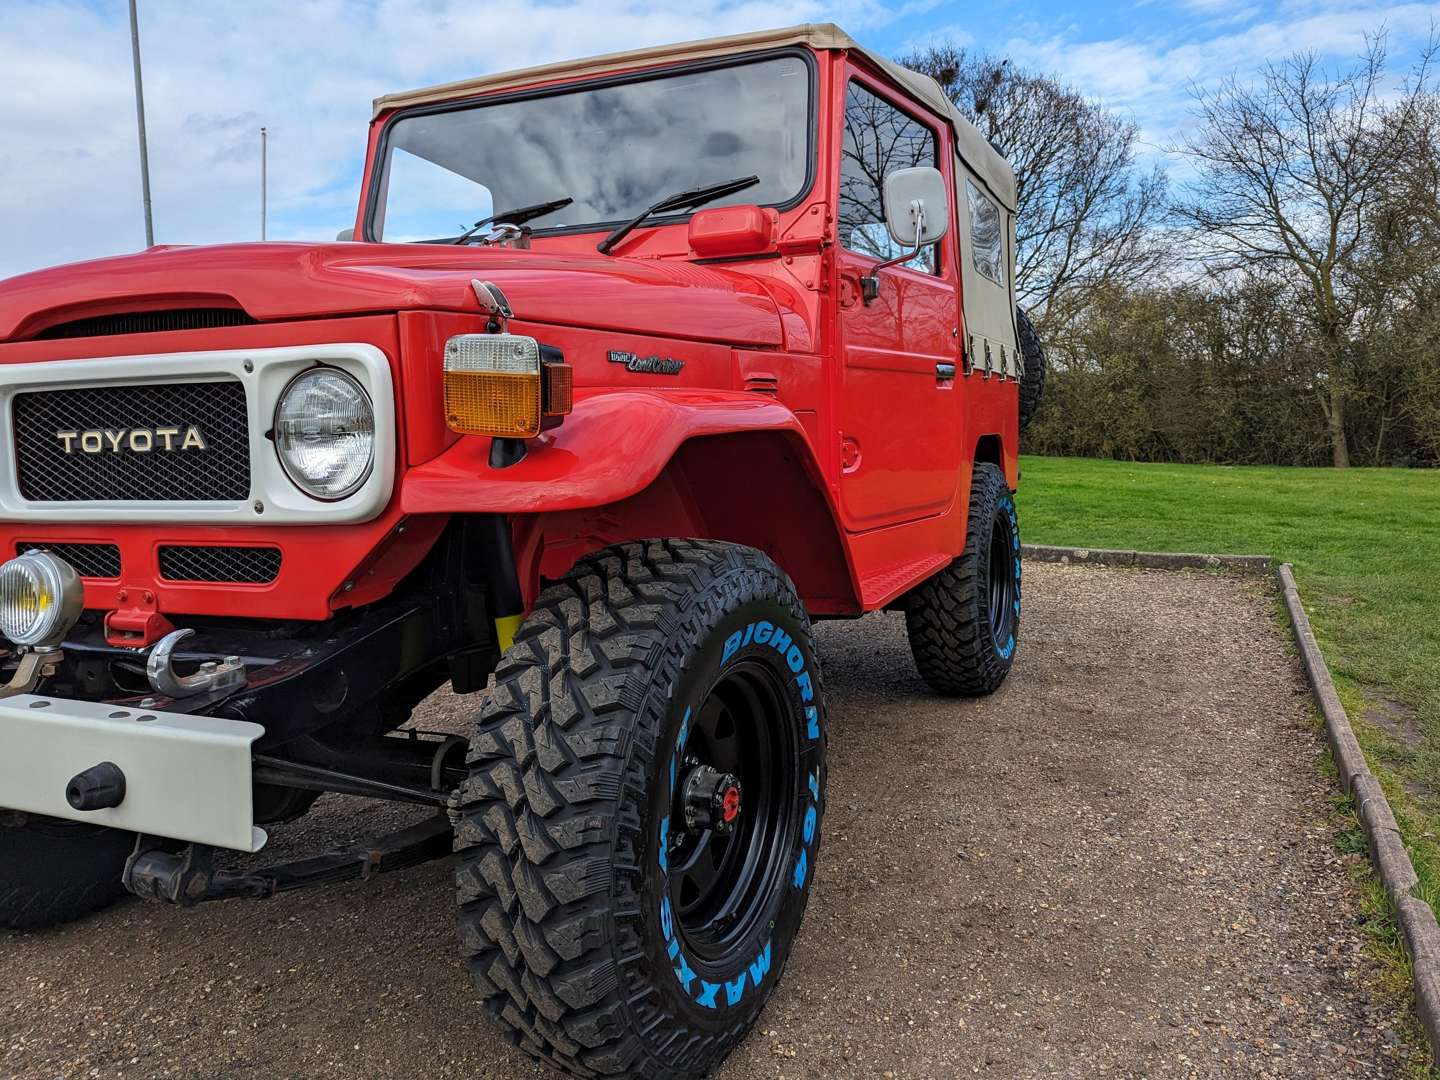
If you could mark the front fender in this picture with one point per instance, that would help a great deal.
(612, 446)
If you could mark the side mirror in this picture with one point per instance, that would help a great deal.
(345, 235)
(916, 209)
(917, 213)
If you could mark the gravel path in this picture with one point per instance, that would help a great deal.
(1120, 865)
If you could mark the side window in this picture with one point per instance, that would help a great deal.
(986, 234)
(879, 139)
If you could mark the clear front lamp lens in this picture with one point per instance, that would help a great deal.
(40, 599)
(325, 433)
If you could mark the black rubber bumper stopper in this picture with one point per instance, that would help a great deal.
(100, 787)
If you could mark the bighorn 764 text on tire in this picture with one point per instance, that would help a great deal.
(601, 460)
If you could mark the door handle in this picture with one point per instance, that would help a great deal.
(944, 372)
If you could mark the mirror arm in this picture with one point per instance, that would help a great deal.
(870, 283)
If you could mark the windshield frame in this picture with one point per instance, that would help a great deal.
(381, 161)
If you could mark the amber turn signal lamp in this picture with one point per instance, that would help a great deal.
(559, 386)
(501, 385)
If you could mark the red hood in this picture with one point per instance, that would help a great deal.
(276, 282)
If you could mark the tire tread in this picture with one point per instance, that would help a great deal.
(55, 873)
(546, 824)
(1032, 356)
(947, 617)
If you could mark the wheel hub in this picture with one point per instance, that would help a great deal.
(712, 801)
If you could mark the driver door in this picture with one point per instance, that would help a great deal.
(900, 414)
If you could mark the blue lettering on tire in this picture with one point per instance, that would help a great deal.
(752, 973)
(808, 832)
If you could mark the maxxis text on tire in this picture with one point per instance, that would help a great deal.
(964, 622)
(57, 871)
(599, 937)
(1032, 359)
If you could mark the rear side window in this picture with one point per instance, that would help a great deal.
(986, 235)
(879, 139)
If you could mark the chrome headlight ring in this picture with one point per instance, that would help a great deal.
(324, 433)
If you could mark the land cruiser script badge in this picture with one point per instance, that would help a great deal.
(653, 365)
(134, 440)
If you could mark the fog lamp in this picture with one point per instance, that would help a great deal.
(504, 385)
(41, 598)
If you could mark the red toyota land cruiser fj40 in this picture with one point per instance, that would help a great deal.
(731, 347)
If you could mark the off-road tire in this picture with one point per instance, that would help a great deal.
(53, 871)
(953, 630)
(567, 920)
(1032, 362)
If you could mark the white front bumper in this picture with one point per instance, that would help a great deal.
(186, 777)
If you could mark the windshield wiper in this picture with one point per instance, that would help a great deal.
(518, 216)
(683, 200)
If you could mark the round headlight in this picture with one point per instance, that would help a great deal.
(40, 598)
(325, 433)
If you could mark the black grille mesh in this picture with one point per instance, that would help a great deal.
(147, 322)
(234, 565)
(47, 473)
(89, 560)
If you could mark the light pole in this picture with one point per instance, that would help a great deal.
(264, 177)
(140, 123)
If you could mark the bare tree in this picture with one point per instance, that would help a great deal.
(1287, 168)
(1398, 268)
(1086, 218)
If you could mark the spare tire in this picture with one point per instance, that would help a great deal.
(1032, 378)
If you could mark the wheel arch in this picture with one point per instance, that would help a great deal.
(760, 488)
(640, 464)
(991, 449)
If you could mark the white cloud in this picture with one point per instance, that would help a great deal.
(1150, 76)
(308, 69)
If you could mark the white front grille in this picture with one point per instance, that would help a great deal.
(251, 490)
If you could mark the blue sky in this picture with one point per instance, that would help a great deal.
(216, 70)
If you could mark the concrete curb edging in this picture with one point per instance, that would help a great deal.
(1149, 560)
(1397, 873)
(1387, 852)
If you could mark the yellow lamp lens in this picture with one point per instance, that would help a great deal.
(492, 385)
(40, 599)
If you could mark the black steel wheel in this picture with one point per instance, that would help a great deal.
(965, 621)
(639, 830)
(736, 783)
(1003, 576)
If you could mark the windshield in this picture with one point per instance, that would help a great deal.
(613, 149)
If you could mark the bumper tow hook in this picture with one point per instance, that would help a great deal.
(224, 675)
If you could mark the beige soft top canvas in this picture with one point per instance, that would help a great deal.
(976, 152)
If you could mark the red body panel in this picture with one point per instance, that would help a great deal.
(802, 421)
(274, 282)
(612, 446)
